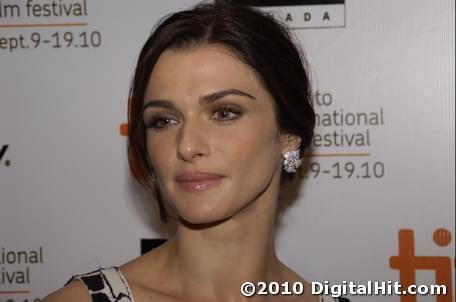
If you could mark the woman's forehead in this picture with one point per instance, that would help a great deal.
(201, 70)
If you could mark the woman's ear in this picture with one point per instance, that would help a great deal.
(290, 142)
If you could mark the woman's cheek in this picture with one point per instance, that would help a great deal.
(159, 154)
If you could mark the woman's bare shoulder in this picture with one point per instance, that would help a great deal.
(75, 291)
(148, 267)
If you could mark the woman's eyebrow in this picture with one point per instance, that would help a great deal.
(212, 97)
(159, 104)
(209, 98)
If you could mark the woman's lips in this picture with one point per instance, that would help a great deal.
(198, 181)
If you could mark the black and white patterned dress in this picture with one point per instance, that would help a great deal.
(109, 285)
(106, 285)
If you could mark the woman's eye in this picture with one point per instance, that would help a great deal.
(226, 114)
(160, 122)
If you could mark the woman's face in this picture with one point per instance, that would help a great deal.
(212, 136)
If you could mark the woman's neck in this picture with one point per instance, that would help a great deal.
(218, 259)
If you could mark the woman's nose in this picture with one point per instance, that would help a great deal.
(193, 142)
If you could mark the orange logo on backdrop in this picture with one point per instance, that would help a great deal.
(407, 263)
(124, 126)
(123, 129)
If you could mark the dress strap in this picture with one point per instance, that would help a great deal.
(105, 285)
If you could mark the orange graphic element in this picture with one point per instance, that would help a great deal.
(124, 126)
(336, 154)
(123, 129)
(407, 264)
(43, 25)
(442, 237)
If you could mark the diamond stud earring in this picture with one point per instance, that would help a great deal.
(292, 161)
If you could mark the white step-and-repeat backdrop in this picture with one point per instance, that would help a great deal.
(377, 201)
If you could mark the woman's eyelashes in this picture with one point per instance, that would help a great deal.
(221, 114)
(226, 113)
(160, 121)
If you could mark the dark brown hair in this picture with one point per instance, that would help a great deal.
(257, 39)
